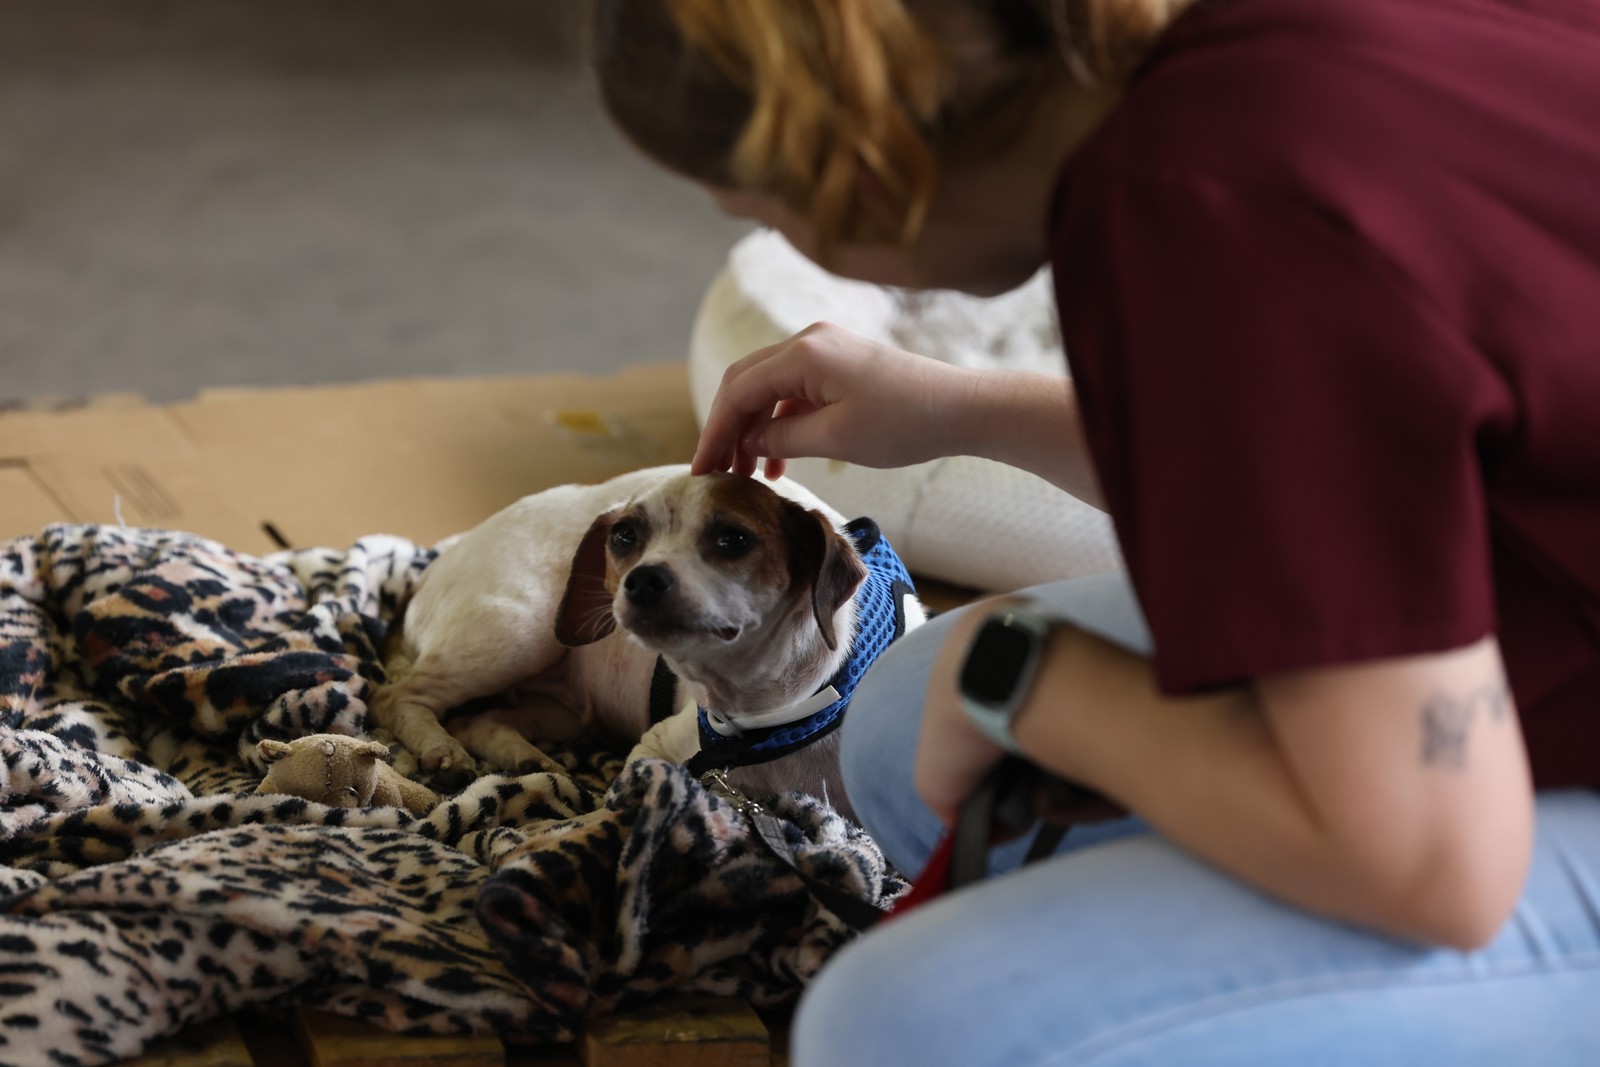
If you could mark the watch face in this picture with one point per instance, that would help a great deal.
(995, 662)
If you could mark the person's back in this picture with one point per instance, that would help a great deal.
(1375, 229)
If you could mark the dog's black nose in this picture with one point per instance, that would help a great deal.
(646, 586)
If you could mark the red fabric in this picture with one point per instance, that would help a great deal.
(1329, 281)
(932, 882)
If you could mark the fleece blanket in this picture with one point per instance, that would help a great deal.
(144, 885)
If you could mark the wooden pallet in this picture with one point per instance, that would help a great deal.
(680, 1032)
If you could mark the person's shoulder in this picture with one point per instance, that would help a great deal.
(1244, 87)
(1332, 37)
(1266, 91)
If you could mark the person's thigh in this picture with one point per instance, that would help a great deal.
(1133, 953)
(879, 735)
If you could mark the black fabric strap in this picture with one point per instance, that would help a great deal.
(865, 533)
(854, 912)
(1000, 807)
(1003, 802)
(711, 760)
(663, 692)
(702, 762)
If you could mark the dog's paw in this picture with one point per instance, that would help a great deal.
(449, 764)
(640, 752)
(675, 739)
(539, 763)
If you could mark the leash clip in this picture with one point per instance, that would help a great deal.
(716, 780)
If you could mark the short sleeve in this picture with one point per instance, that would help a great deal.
(1287, 433)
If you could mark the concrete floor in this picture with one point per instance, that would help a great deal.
(222, 192)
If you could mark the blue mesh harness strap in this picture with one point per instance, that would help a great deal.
(880, 619)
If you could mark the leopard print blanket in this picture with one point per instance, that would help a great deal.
(144, 886)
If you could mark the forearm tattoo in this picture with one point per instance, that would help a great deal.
(1447, 723)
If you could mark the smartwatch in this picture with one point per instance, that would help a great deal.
(998, 672)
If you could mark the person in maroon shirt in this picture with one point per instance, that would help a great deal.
(1329, 282)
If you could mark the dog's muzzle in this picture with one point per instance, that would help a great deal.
(646, 586)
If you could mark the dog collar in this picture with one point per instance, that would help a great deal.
(880, 619)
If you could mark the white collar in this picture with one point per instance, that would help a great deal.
(776, 717)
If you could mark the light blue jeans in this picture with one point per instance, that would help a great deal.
(1125, 950)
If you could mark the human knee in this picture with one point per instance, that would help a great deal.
(854, 1011)
(869, 730)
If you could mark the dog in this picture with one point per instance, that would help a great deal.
(736, 613)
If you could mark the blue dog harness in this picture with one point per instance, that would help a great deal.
(880, 619)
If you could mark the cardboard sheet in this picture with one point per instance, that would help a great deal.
(258, 469)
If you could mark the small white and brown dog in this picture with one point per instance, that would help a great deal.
(718, 621)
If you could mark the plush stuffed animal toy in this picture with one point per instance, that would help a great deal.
(342, 772)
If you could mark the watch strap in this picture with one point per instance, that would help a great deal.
(994, 723)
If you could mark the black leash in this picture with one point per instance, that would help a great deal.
(1003, 806)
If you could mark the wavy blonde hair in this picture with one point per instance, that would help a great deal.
(803, 99)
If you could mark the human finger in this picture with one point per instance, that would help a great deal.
(744, 461)
(751, 391)
(776, 461)
(732, 410)
(810, 431)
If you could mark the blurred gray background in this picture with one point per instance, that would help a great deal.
(268, 192)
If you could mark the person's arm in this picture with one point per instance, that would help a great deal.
(829, 393)
(1394, 794)
(1030, 420)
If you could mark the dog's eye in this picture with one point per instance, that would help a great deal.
(732, 542)
(624, 536)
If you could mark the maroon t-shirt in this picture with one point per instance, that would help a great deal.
(1329, 281)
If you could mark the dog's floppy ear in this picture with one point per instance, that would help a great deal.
(585, 613)
(828, 562)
